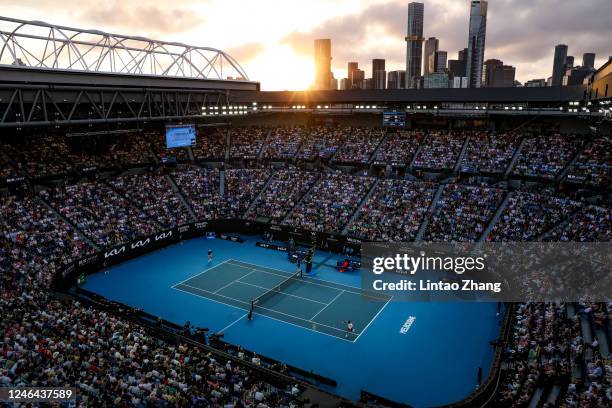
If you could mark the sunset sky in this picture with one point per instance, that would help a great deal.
(273, 39)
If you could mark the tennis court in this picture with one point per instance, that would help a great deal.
(306, 302)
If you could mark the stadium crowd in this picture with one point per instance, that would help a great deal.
(594, 164)
(528, 215)
(546, 157)
(489, 153)
(398, 148)
(100, 212)
(201, 189)
(394, 212)
(247, 142)
(154, 196)
(330, 203)
(359, 144)
(440, 150)
(284, 142)
(285, 190)
(462, 213)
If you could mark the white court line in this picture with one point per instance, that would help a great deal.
(269, 317)
(261, 307)
(350, 288)
(234, 281)
(333, 300)
(233, 323)
(200, 273)
(374, 318)
(281, 293)
(216, 294)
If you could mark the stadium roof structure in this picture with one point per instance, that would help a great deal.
(36, 44)
(53, 75)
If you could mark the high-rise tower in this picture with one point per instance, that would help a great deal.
(323, 75)
(414, 42)
(476, 42)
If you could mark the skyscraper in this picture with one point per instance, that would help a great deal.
(476, 42)
(431, 46)
(352, 67)
(396, 80)
(379, 75)
(496, 74)
(323, 75)
(414, 42)
(559, 62)
(588, 60)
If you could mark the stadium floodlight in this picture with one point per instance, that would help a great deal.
(254, 103)
(373, 106)
(520, 108)
(436, 107)
(326, 106)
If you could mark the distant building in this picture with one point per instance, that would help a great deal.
(569, 61)
(440, 61)
(358, 79)
(333, 83)
(549, 81)
(588, 60)
(497, 75)
(323, 74)
(414, 41)
(535, 83)
(476, 42)
(344, 84)
(379, 75)
(436, 80)
(559, 64)
(367, 83)
(456, 68)
(576, 75)
(431, 46)
(458, 82)
(396, 80)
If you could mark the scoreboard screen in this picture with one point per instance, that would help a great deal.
(180, 136)
(394, 119)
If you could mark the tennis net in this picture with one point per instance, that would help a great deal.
(274, 290)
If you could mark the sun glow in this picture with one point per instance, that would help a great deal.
(281, 68)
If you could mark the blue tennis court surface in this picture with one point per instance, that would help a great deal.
(422, 354)
(306, 302)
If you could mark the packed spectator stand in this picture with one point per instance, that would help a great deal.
(556, 355)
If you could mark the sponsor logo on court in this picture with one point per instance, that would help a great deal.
(407, 325)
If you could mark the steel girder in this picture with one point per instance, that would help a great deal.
(43, 105)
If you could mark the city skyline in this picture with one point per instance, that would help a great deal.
(274, 41)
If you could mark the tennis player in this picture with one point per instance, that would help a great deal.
(349, 328)
(210, 255)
